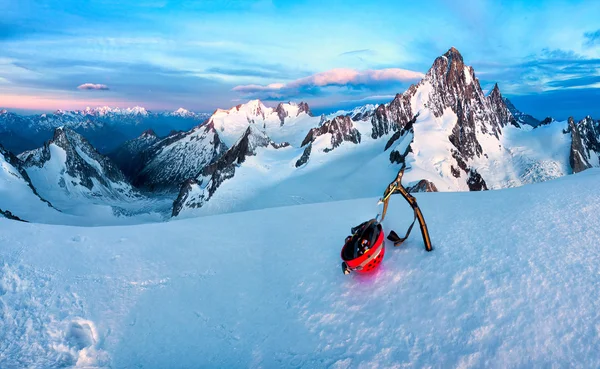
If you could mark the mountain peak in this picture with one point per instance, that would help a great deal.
(182, 112)
(454, 55)
(148, 133)
(303, 107)
(495, 93)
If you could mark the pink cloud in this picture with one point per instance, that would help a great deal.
(337, 77)
(92, 86)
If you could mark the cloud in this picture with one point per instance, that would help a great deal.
(545, 70)
(357, 52)
(371, 99)
(592, 38)
(340, 77)
(576, 82)
(92, 86)
(245, 72)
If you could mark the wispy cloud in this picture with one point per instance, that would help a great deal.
(92, 86)
(592, 38)
(576, 82)
(245, 72)
(340, 77)
(370, 99)
(357, 52)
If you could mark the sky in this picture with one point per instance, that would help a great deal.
(203, 55)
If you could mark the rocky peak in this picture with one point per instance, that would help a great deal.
(498, 105)
(341, 129)
(252, 139)
(3, 111)
(281, 112)
(585, 144)
(303, 108)
(82, 161)
(455, 64)
(149, 133)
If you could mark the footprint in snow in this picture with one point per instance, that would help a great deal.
(78, 238)
(80, 334)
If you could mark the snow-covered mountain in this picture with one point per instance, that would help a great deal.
(451, 135)
(171, 161)
(183, 155)
(104, 127)
(67, 169)
(195, 192)
(288, 122)
(358, 113)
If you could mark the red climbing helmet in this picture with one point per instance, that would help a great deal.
(363, 251)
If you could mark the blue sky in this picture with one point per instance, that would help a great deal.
(206, 54)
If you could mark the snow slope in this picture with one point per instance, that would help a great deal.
(512, 282)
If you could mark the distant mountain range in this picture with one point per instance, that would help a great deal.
(452, 136)
(105, 128)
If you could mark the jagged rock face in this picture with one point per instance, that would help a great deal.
(341, 129)
(392, 117)
(131, 156)
(521, 117)
(475, 181)
(423, 186)
(178, 157)
(396, 136)
(454, 86)
(585, 144)
(283, 111)
(305, 156)
(303, 108)
(498, 105)
(187, 189)
(194, 193)
(545, 122)
(82, 163)
(8, 215)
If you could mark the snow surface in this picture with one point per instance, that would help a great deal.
(512, 282)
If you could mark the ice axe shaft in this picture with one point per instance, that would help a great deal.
(396, 187)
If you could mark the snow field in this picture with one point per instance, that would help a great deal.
(512, 282)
